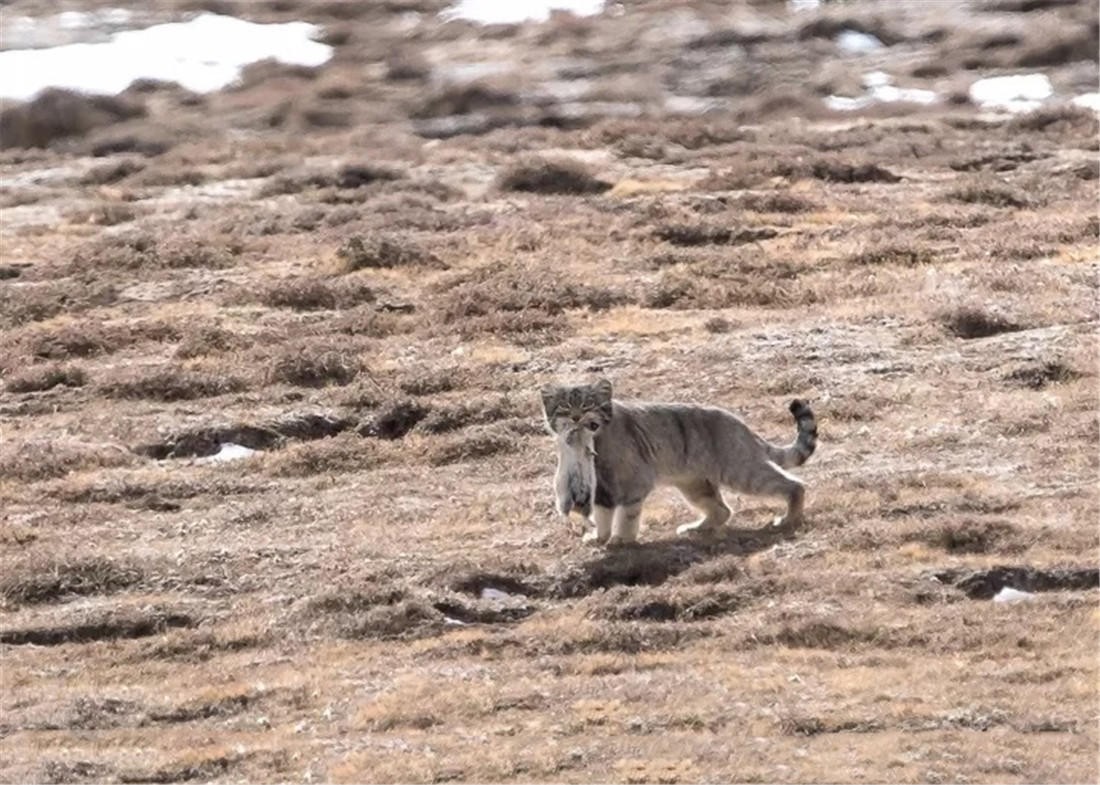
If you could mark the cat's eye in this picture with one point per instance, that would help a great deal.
(593, 425)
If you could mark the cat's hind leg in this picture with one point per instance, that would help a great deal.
(706, 497)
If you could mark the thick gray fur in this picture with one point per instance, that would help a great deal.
(612, 454)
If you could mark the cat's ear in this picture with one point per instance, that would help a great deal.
(602, 389)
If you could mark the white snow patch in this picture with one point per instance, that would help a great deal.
(489, 12)
(880, 89)
(229, 452)
(1008, 594)
(1088, 101)
(489, 593)
(857, 43)
(803, 5)
(688, 104)
(1019, 93)
(203, 54)
(843, 103)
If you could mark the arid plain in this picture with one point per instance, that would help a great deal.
(365, 271)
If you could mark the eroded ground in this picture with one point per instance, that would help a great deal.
(365, 274)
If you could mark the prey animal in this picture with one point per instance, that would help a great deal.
(612, 454)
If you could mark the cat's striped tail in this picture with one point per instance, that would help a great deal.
(805, 442)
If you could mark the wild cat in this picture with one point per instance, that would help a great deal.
(612, 454)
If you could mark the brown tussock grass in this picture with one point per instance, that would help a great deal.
(46, 378)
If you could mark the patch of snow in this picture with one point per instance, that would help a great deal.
(1008, 594)
(803, 5)
(1088, 101)
(888, 94)
(203, 54)
(489, 12)
(453, 622)
(856, 43)
(1019, 93)
(489, 593)
(880, 89)
(229, 452)
(842, 103)
(688, 104)
(873, 79)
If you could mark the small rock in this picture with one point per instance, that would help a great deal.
(857, 43)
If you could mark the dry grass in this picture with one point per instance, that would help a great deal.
(991, 194)
(557, 176)
(30, 461)
(205, 341)
(315, 293)
(55, 580)
(383, 591)
(315, 366)
(977, 321)
(56, 114)
(463, 99)
(112, 172)
(46, 378)
(375, 251)
(171, 383)
(144, 250)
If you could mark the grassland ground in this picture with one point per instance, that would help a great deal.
(364, 274)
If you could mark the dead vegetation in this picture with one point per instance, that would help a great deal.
(124, 623)
(1036, 376)
(112, 172)
(205, 341)
(315, 293)
(556, 176)
(40, 581)
(37, 303)
(276, 491)
(990, 194)
(702, 234)
(894, 253)
(315, 366)
(495, 290)
(477, 444)
(778, 202)
(349, 176)
(395, 420)
(144, 250)
(34, 460)
(46, 378)
(977, 321)
(171, 383)
(375, 251)
(458, 99)
(55, 114)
